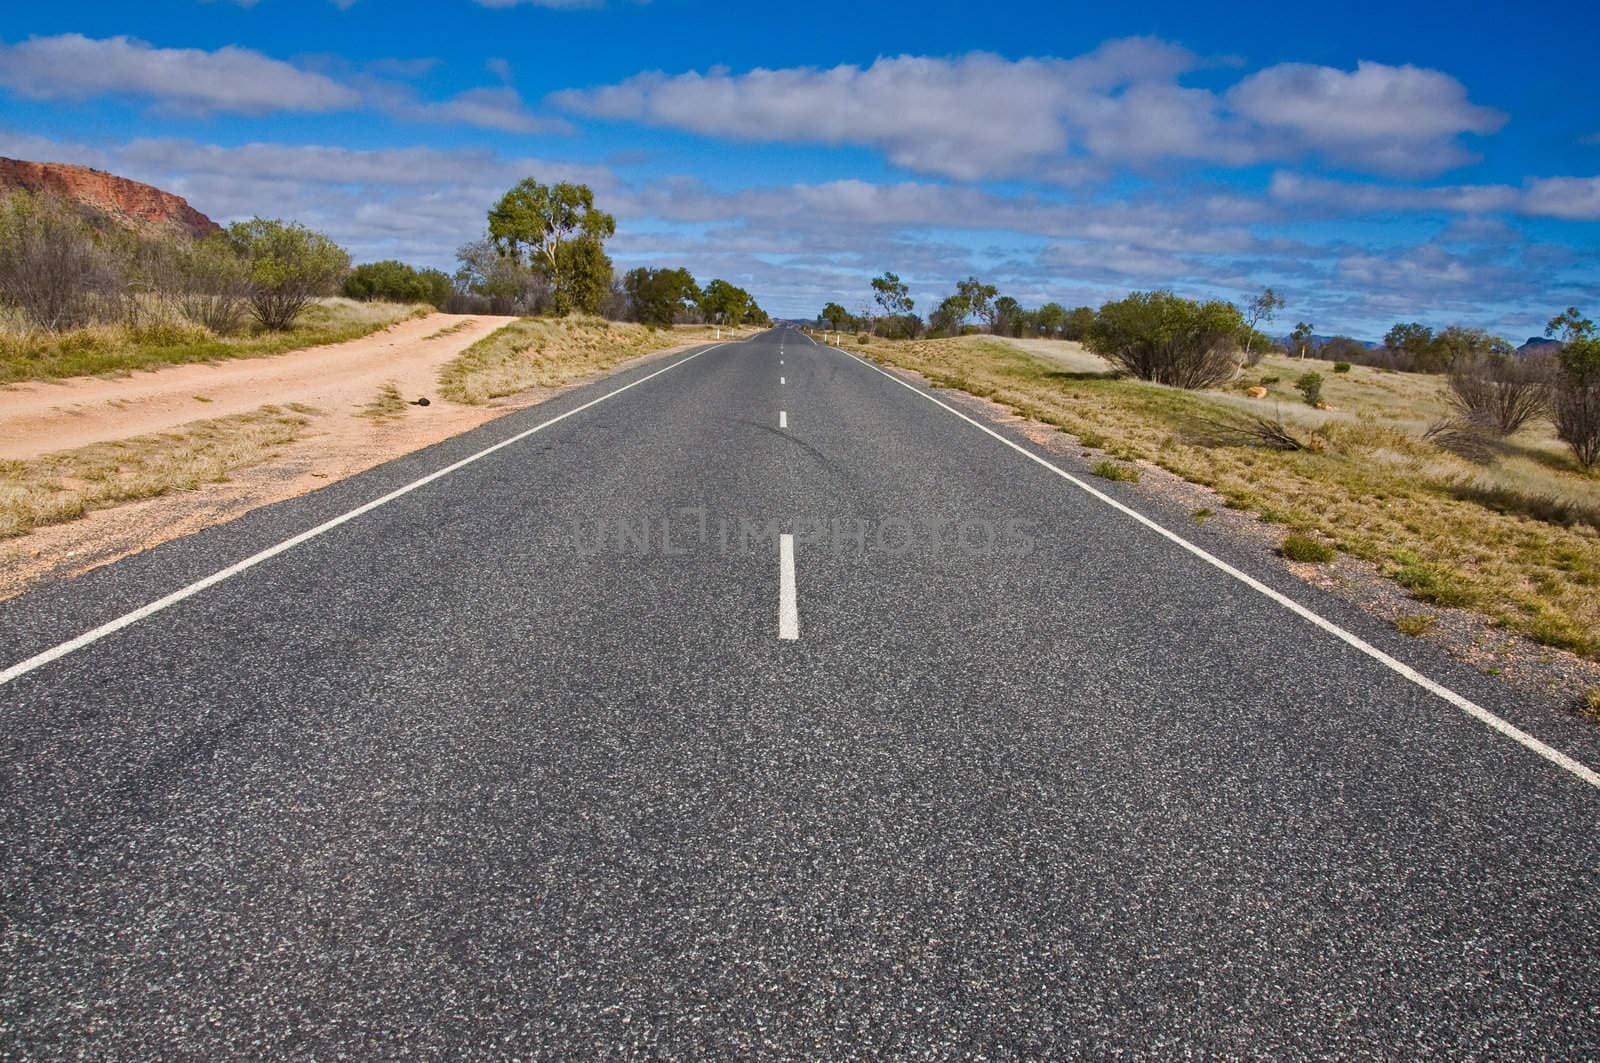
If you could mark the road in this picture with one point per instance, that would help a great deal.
(554, 756)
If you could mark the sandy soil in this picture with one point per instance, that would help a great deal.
(337, 380)
(40, 417)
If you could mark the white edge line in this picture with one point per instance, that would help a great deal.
(788, 607)
(37, 661)
(1476, 711)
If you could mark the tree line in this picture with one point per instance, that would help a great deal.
(1185, 343)
(542, 252)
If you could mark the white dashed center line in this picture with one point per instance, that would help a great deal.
(788, 610)
(783, 419)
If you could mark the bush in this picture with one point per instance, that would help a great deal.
(1304, 548)
(1161, 337)
(1341, 367)
(53, 267)
(213, 285)
(1310, 387)
(288, 266)
(863, 338)
(1499, 394)
(396, 282)
(1577, 401)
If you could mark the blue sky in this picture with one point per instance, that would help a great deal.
(1374, 162)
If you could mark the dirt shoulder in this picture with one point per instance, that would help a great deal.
(335, 387)
(39, 418)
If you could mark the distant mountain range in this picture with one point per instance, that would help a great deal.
(109, 201)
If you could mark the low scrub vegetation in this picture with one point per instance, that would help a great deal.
(78, 299)
(63, 486)
(31, 354)
(1510, 539)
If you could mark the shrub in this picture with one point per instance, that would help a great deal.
(1299, 547)
(1500, 393)
(53, 268)
(1577, 401)
(1310, 387)
(863, 338)
(1465, 439)
(1161, 337)
(213, 285)
(1341, 367)
(288, 266)
(1110, 470)
(396, 282)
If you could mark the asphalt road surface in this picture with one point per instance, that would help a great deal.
(765, 708)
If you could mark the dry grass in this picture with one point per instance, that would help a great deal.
(388, 405)
(1513, 540)
(1415, 624)
(550, 352)
(449, 330)
(62, 486)
(28, 354)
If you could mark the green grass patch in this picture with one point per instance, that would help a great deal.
(1110, 470)
(1297, 547)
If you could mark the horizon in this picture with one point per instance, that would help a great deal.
(1379, 166)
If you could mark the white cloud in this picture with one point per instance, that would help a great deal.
(1573, 198)
(1400, 120)
(241, 81)
(970, 117)
(982, 116)
(1568, 198)
(232, 79)
(496, 107)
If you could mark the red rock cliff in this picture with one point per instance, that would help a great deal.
(124, 202)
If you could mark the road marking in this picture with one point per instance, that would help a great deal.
(37, 661)
(1471, 708)
(788, 610)
(781, 380)
(783, 419)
